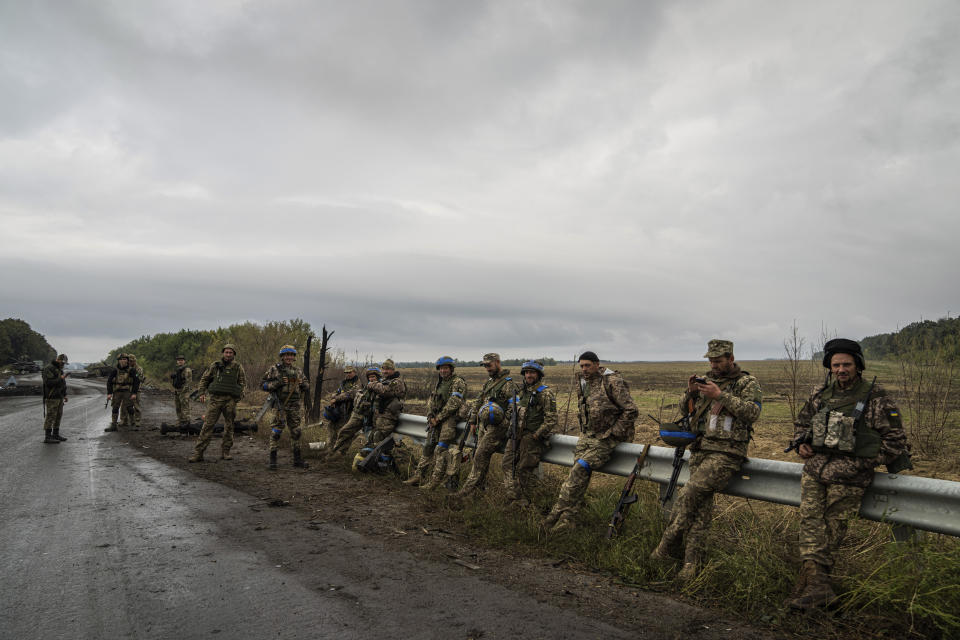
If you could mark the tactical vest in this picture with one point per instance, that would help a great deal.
(226, 380)
(531, 407)
(179, 378)
(124, 379)
(394, 404)
(292, 388)
(493, 393)
(723, 425)
(440, 395)
(833, 425)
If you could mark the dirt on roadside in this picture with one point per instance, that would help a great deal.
(382, 507)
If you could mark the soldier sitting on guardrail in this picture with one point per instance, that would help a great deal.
(844, 431)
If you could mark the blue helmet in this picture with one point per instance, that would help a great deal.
(288, 348)
(442, 360)
(532, 365)
(374, 369)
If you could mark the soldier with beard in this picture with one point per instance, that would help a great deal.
(362, 416)
(286, 381)
(226, 381)
(489, 414)
(536, 420)
(123, 386)
(338, 412)
(726, 403)
(181, 379)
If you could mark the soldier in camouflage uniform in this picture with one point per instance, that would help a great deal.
(287, 382)
(226, 381)
(537, 419)
(123, 386)
(181, 379)
(607, 415)
(443, 410)
(843, 432)
(54, 396)
(363, 414)
(491, 411)
(136, 415)
(341, 403)
(722, 409)
(389, 393)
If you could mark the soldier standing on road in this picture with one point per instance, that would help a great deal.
(287, 382)
(123, 386)
(725, 404)
(607, 415)
(54, 397)
(443, 408)
(491, 411)
(844, 431)
(226, 381)
(341, 404)
(135, 414)
(537, 419)
(181, 379)
(362, 416)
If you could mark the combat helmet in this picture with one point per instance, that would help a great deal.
(287, 348)
(446, 360)
(843, 345)
(532, 365)
(490, 413)
(375, 370)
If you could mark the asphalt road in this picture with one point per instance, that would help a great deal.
(102, 541)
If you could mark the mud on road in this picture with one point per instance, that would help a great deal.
(401, 518)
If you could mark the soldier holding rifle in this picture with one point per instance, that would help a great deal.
(122, 387)
(443, 408)
(489, 413)
(536, 420)
(726, 403)
(286, 381)
(181, 379)
(54, 396)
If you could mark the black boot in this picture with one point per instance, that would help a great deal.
(273, 461)
(49, 439)
(56, 434)
(452, 483)
(298, 460)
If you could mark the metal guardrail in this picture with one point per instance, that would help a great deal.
(921, 503)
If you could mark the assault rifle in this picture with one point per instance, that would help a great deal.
(514, 430)
(627, 497)
(371, 462)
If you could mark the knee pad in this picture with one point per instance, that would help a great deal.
(275, 435)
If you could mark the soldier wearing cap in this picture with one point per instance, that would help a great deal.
(389, 392)
(341, 405)
(123, 386)
(136, 412)
(54, 396)
(844, 431)
(364, 409)
(489, 416)
(536, 420)
(181, 379)
(226, 381)
(443, 411)
(723, 405)
(287, 382)
(607, 416)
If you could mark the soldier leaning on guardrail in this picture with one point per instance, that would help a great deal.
(338, 412)
(607, 415)
(725, 404)
(181, 379)
(536, 420)
(443, 409)
(54, 395)
(843, 432)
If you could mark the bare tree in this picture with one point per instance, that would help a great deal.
(796, 367)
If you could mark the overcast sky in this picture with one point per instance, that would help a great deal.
(428, 178)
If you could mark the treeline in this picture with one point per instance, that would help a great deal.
(509, 362)
(919, 339)
(18, 339)
(257, 347)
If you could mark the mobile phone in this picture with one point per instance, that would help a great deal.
(700, 380)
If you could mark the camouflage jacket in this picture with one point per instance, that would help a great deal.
(212, 376)
(389, 394)
(880, 414)
(290, 391)
(123, 379)
(605, 407)
(499, 389)
(181, 378)
(537, 410)
(347, 390)
(54, 387)
(447, 398)
(726, 423)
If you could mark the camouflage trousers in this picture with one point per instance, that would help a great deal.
(490, 440)
(292, 417)
(710, 471)
(54, 412)
(443, 446)
(384, 424)
(121, 403)
(589, 454)
(825, 510)
(530, 450)
(218, 405)
(181, 401)
(348, 432)
(136, 414)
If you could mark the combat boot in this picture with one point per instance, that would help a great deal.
(551, 518)
(565, 523)
(48, 438)
(298, 460)
(414, 479)
(816, 591)
(112, 427)
(196, 457)
(56, 434)
(225, 454)
(689, 572)
(663, 555)
(452, 483)
(273, 461)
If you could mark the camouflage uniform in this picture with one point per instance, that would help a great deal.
(388, 405)
(501, 391)
(181, 393)
(54, 395)
(121, 384)
(724, 425)
(536, 420)
(135, 414)
(444, 406)
(288, 410)
(362, 417)
(607, 415)
(342, 399)
(226, 382)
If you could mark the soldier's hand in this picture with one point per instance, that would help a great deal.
(709, 389)
(805, 451)
(202, 397)
(65, 399)
(692, 386)
(432, 422)
(133, 396)
(109, 396)
(284, 379)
